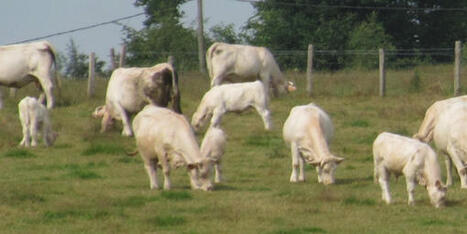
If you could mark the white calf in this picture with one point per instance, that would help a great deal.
(416, 160)
(308, 131)
(34, 116)
(165, 137)
(212, 147)
(232, 97)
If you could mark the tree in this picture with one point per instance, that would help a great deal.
(163, 35)
(77, 65)
(225, 33)
(328, 24)
(369, 35)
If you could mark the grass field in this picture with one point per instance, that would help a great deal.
(86, 183)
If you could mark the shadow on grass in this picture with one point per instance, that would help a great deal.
(356, 180)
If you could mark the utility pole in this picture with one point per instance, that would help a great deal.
(202, 59)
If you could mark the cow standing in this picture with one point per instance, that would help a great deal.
(130, 89)
(34, 117)
(416, 160)
(22, 64)
(239, 63)
(308, 131)
(165, 137)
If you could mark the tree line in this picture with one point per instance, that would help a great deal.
(290, 25)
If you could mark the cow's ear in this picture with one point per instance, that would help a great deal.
(440, 186)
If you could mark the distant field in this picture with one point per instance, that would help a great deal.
(87, 184)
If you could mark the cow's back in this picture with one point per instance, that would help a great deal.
(302, 118)
(125, 89)
(448, 121)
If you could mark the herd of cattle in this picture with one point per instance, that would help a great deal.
(166, 139)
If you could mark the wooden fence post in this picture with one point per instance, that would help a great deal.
(309, 70)
(171, 60)
(91, 74)
(382, 74)
(112, 59)
(457, 67)
(122, 56)
(13, 92)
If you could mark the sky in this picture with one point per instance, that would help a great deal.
(28, 19)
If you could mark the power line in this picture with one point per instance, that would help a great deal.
(387, 8)
(80, 28)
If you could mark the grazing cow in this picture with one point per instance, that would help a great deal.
(416, 160)
(165, 137)
(22, 64)
(238, 63)
(426, 130)
(34, 116)
(450, 137)
(130, 89)
(232, 98)
(308, 131)
(212, 147)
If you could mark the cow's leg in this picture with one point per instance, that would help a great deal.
(166, 171)
(411, 182)
(218, 170)
(265, 115)
(26, 141)
(294, 177)
(46, 85)
(127, 131)
(1, 99)
(456, 158)
(448, 163)
(150, 164)
(266, 80)
(217, 116)
(383, 179)
(34, 135)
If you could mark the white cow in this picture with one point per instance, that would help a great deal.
(165, 137)
(450, 137)
(130, 89)
(426, 130)
(308, 131)
(232, 98)
(34, 117)
(416, 160)
(238, 63)
(22, 64)
(212, 147)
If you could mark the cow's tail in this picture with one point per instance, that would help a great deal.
(175, 90)
(209, 55)
(53, 54)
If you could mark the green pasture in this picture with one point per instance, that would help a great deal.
(86, 183)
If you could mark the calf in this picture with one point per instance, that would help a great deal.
(416, 160)
(232, 97)
(307, 131)
(34, 116)
(165, 137)
(212, 147)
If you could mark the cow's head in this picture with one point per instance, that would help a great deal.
(326, 168)
(50, 138)
(99, 112)
(200, 117)
(437, 194)
(200, 175)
